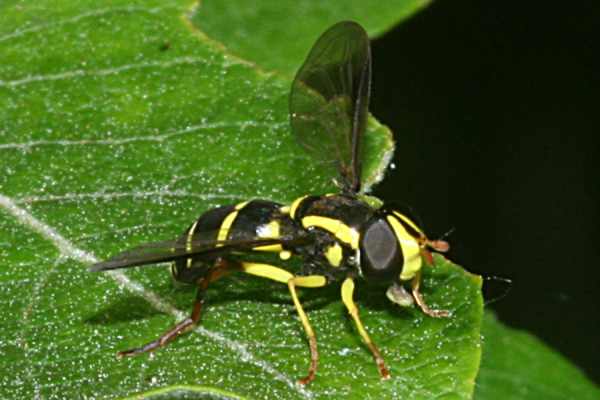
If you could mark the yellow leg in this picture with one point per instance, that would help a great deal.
(347, 294)
(416, 284)
(283, 276)
(312, 339)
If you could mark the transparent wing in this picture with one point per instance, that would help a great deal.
(173, 250)
(330, 97)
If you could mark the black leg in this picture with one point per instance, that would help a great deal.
(172, 333)
(221, 268)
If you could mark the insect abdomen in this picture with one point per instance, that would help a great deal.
(206, 227)
(247, 220)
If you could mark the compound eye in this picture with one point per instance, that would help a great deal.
(380, 253)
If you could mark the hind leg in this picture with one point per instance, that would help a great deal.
(221, 268)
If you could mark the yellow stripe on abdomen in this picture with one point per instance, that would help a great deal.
(188, 243)
(294, 206)
(228, 222)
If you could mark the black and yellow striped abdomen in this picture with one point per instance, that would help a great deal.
(248, 220)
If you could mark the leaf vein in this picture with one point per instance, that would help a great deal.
(144, 138)
(74, 19)
(77, 73)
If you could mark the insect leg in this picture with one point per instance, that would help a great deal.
(416, 284)
(218, 271)
(347, 294)
(312, 339)
(283, 276)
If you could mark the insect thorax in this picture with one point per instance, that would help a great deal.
(337, 218)
(381, 244)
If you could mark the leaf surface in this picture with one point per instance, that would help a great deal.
(276, 34)
(120, 124)
(517, 365)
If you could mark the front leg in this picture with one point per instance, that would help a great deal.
(347, 294)
(416, 284)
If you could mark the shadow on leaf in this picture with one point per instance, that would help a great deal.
(126, 308)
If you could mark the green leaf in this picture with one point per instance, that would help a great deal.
(276, 34)
(120, 124)
(517, 365)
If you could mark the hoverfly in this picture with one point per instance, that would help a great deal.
(337, 237)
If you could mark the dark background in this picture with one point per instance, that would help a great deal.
(495, 110)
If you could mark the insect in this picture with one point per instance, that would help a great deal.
(338, 237)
